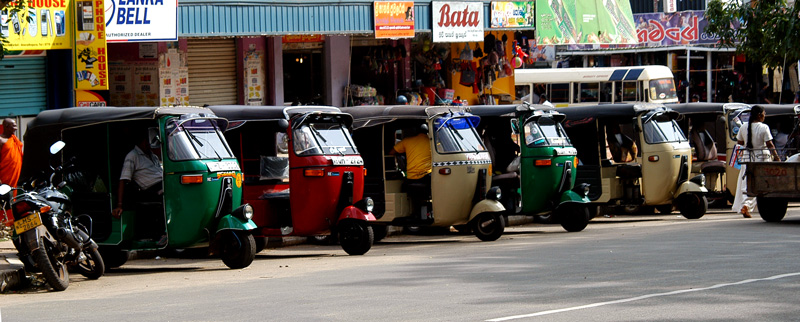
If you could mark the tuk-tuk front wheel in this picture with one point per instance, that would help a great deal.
(355, 236)
(772, 209)
(692, 205)
(488, 226)
(238, 248)
(575, 217)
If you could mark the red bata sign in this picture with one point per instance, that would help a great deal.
(457, 21)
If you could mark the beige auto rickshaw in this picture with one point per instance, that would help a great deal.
(460, 191)
(635, 158)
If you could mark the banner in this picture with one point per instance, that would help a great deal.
(512, 14)
(39, 25)
(394, 19)
(138, 20)
(584, 22)
(91, 57)
(457, 21)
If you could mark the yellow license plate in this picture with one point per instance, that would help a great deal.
(27, 223)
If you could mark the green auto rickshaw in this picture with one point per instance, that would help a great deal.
(201, 187)
(534, 163)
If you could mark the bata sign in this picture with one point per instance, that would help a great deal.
(457, 21)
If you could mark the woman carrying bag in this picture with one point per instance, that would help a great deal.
(759, 147)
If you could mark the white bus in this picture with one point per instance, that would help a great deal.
(586, 86)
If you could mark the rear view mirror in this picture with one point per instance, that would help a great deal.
(283, 124)
(153, 138)
(56, 147)
(4, 189)
(515, 126)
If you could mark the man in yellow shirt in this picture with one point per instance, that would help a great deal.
(417, 147)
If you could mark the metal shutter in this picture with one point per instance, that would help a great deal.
(22, 86)
(212, 72)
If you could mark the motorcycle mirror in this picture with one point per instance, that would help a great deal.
(4, 189)
(153, 138)
(56, 147)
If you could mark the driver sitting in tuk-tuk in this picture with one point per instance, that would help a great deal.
(621, 147)
(417, 148)
(705, 151)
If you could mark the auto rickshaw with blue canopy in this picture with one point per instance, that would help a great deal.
(540, 179)
(302, 173)
(200, 198)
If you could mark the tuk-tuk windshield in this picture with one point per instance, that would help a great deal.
(323, 138)
(545, 132)
(458, 134)
(662, 129)
(196, 139)
(662, 89)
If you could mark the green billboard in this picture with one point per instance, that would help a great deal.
(584, 22)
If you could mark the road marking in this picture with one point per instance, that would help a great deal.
(641, 298)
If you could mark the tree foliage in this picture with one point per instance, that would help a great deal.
(11, 7)
(769, 29)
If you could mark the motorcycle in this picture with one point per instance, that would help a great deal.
(48, 237)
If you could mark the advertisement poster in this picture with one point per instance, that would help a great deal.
(145, 82)
(584, 22)
(254, 77)
(37, 27)
(169, 65)
(133, 20)
(512, 14)
(457, 21)
(394, 19)
(183, 85)
(120, 84)
(91, 57)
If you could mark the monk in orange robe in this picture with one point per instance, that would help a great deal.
(10, 153)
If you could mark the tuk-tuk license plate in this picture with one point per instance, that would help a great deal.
(27, 223)
(347, 161)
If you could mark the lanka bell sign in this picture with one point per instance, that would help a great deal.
(457, 21)
(40, 25)
(141, 20)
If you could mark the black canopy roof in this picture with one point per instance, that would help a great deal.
(371, 115)
(248, 112)
(719, 108)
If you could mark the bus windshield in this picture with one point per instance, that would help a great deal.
(662, 89)
(196, 139)
(456, 135)
(662, 130)
(323, 138)
(545, 132)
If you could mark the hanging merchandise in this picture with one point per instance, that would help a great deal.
(467, 76)
(777, 79)
(466, 53)
(477, 53)
(489, 43)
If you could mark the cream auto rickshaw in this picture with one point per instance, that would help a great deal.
(460, 187)
(635, 159)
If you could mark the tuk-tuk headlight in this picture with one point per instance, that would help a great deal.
(366, 204)
(494, 194)
(244, 212)
(699, 179)
(582, 189)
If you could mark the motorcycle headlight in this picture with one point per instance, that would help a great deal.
(366, 204)
(494, 194)
(582, 189)
(244, 212)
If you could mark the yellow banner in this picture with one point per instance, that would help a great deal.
(41, 24)
(91, 57)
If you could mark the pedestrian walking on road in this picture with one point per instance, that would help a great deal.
(758, 147)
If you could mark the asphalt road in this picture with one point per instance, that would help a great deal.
(629, 268)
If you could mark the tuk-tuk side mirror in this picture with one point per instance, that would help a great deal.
(515, 126)
(153, 137)
(283, 124)
(56, 147)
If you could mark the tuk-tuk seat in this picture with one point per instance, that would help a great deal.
(629, 170)
(275, 195)
(713, 167)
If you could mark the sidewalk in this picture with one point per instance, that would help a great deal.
(12, 272)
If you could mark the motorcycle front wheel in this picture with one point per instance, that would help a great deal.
(54, 271)
(93, 267)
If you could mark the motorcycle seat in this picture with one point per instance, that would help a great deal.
(713, 167)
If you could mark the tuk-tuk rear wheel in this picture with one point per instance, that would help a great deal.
(113, 256)
(692, 205)
(238, 248)
(772, 209)
(355, 236)
(379, 232)
(575, 218)
(488, 226)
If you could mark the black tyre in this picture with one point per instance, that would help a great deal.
(54, 271)
(355, 236)
(692, 205)
(238, 248)
(93, 267)
(772, 209)
(488, 226)
(575, 217)
(261, 243)
(114, 257)
(379, 232)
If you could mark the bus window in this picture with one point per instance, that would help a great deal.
(629, 92)
(606, 92)
(559, 93)
(662, 89)
(522, 91)
(587, 92)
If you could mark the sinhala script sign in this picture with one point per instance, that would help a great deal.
(457, 21)
(141, 20)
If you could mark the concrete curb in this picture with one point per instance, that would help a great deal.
(12, 273)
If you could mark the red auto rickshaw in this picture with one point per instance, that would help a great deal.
(302, 173)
